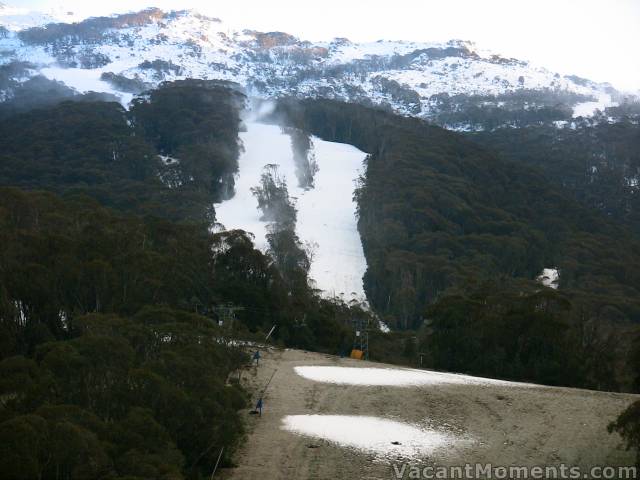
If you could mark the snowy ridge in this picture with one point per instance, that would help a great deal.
(153, 46)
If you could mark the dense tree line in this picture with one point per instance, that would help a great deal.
(518, 108)
(108, 371)
(124, 84)
(113, 363)
(113, 155)
(515, 331)
(64, 258)
(197, 122)
(440, 216)
(125, 397)
(598, 165)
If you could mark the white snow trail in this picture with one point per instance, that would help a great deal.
(326, 213)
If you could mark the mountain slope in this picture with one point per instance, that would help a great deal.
(320, 182)
(101, 150)
(598, 165)
(449, 230)
(128, 53)
(456, 236)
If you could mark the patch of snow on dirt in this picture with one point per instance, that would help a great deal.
(386, 439)
(392, 377)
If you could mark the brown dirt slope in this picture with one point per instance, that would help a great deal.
(500, 424)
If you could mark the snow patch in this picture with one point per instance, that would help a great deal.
(550, 277)
(588, 109)
(632, 182)
(168, 160)
(384, 328)
(392, 377)
(84, 80)
(386, 439)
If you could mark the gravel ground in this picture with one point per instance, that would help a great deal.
(502, 424)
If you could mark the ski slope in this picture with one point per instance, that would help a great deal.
(326, 213)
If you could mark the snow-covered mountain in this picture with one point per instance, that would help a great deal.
(125, 54)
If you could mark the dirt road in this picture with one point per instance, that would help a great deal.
(504, 424)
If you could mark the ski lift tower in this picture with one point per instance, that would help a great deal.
(227, 314)
(360, 348)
